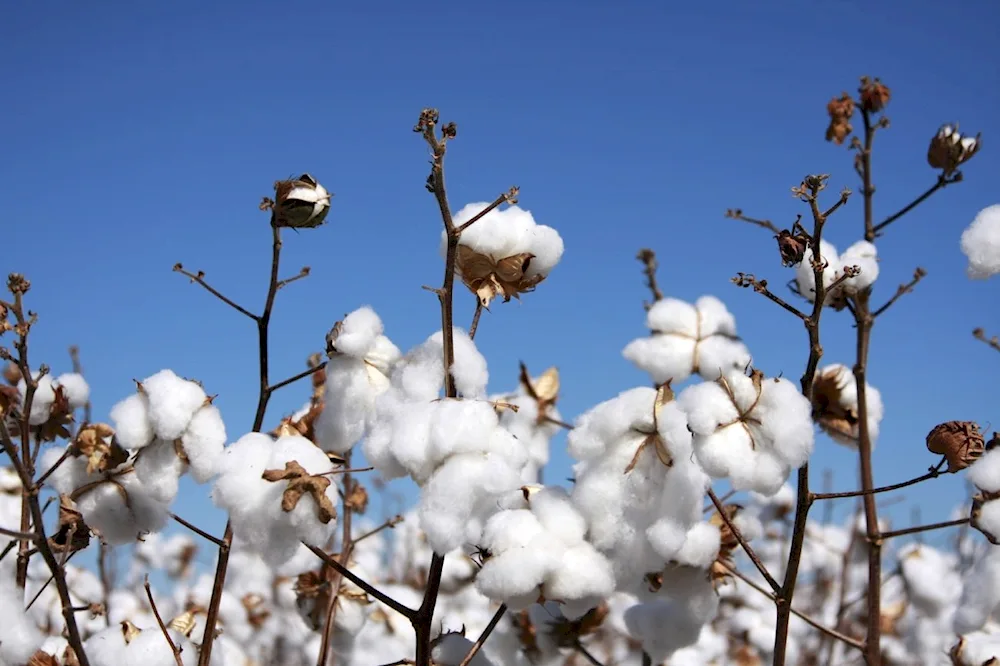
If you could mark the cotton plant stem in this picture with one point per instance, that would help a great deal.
(481, 641)
(346, 550)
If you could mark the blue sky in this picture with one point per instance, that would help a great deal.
(137, 135)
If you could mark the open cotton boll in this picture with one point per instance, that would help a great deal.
(835, 398)
(805, 278)
(864, 255)
(118, 646)
(41, 400)
(203, 442)
(348, 403)
(980, 593)
(130, 417)
(979, 649)
(358, 332)
(173, 402)
(122, 510)
(932, 583)
(159, 468)
(981, 243)
(19, 635)
(985, 472)
(581, 580)
(506, 232)
(701, 546)
(666, 625)
(450, 650)
(687, 339)
(603, 425)
(74, 388)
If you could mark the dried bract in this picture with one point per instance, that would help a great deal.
(874, 94)
(489, 277)
(949, 149)
(300, 483)
(96, 442)
(544, 390)
(73, 532)
(960, 442)
(300, 203)
(792, 245)
(840, 110)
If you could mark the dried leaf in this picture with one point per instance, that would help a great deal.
(300, 483)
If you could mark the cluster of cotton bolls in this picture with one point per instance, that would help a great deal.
(67, 392)
(862, 254)
(454, 448)
(124, 479)
(688, 339)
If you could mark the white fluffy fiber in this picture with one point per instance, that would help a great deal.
(507, 232)
(862, 254)
(355, 376)
(981, 243)
(754, 440)
(687, 339)
(254, 504)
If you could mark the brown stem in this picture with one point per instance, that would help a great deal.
(942, 182)
(107, 579)
(389, 524)
(294, 378)
(263, 322)
(993, 342)
(743, 542)
(648, 259)
(924, 528)
(202, 533)
(932, 473)
(199, 278)
(585, 653)
(481, 641)
(737, 214)
(346, 550)
(475, 319)
(362, 583)
(159, 620)
(918, 275)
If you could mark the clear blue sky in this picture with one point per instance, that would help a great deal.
(137, 135)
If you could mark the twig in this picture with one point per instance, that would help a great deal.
(66, 454)
(389, 524)
(924, 528)
(993, 342)
(585, 653)
(475, 319)
(918, 275)
(346, 550)
(199, 278)
(202, 533)
(561, 424)
(287, 281)
(725, 498)
(932, 473)
(743, 542)
(648, 259)
(506, 196)
(159, 620)
(107, 579)
(737, 214)
(363, 584)
(481, 641)
(942, 182)
(294, 378)
(747, 280)
(74, 357)
(14, 534)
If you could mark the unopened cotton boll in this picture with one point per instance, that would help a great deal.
(981, 244)
(688, 339)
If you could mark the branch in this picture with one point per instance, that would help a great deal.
(585, 653)
(203, 534)
(287, 281)
(163, 627)
(363, 584)
(747, 280)
(942, 182)
(743, 542)
(737, 214)
(475, 319)
(648, 258)
(294, 378)
(389, 524)
(980, 334)
(932, 473)
(199, 278)
(924, 528)
(483, 636)
(918, 275)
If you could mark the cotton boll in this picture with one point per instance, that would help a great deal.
(806, 278)
(554, 510)
(358, 333)
(864, 255)
(980, 593)
(203, 442)
(74, 388)
(469, 369)
(460, 426)
(172, 403)
(348, 404)
(979, 649)
(931, 581)
(786, 421)
(42, 399)
(701, 546)
(130, 416)
(547, 246)
(581, 580)
(19, 635)
(985, 472)
(509, 231)
(988, 518)
(159, 469)
(123, 509)
(981, 244)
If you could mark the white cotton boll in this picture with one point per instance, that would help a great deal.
(582, 575)
(606, 422)
(749, 525)
(717, 355)
(980, 649)
(804, 276)
(348, 404)
(701, 546)
(130, 416)
(460, 426)
(159, 469)
(19, 635)
(985, 472)
(359, 331)
(469, 369)
(450, 649)
(509, 231)
(989, 517)
(42, 399)
(864, 255)
(516, 575)
(556, 513)
(980, 593)
(665, 358)
(547, 246)
(598, 496)
(931, 582)
(786, 420)
(74, 388)
(173, 402)
(203, 442)
(410, 440)
(664, 626)
(123, 510)
(981, 243)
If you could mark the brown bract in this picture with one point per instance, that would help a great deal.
(728, 543)
(96, 442)
(955, 654)
(489, 277)
(73, 533)
(840, 110)
(949, 149)
(569, 632)
(836, 420)
(960, 442)
(544, 391)
(654, 439)
(792, 244)
(300, 483)
(874, 94)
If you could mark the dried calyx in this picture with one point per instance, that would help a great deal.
(300, 483)
(544, 390)
(960, 442)
(299, 203)
(489, 277)
(949, 149)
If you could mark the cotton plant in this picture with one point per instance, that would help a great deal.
(361, 357)
(838, 275)
(453, 448)
(278, 493)
(505, 253)
(835, 405)
(980, 243)
(688, 339)
(636, 481)
(749, 429)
